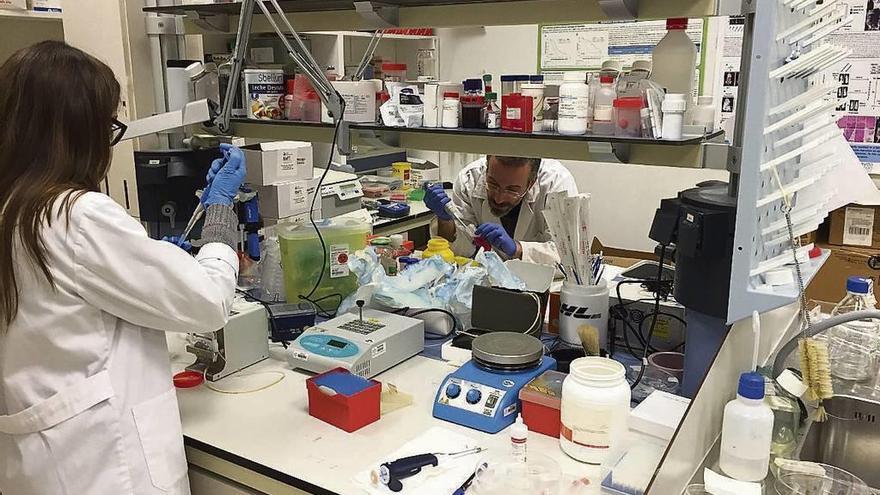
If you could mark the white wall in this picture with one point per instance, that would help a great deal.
(624, 196)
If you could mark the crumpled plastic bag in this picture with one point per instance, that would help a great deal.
(432, 283)
(499, 275)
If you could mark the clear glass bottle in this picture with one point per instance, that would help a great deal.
(853, 346)
(426, 64)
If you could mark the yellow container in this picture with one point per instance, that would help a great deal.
(439, 246)
(302, 259)
(403, 171)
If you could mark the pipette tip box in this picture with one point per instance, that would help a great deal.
(344, 400)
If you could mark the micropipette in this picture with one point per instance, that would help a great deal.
(391, 473)
(197, 214)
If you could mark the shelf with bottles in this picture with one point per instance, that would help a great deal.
(333, 15)
(684, 152)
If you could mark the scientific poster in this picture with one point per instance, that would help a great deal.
(586, 46)
(856, 79)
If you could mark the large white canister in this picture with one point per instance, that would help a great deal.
(580, 305)
(595, 410)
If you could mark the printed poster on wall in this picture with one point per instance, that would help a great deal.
(585, 46)
(856, 79)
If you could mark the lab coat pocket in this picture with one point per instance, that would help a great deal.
(86, 453)
(158, 425)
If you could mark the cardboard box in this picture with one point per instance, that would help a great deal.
(47, 5)
(360, 101)
(13, 4)
(829, 285)
(280, 161)
(855, 225)
(287, 199)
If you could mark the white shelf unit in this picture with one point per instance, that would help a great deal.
(30, 15)
(21, 28)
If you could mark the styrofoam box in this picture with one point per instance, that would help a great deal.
(659, 414)
(287, 199)
(279, 161)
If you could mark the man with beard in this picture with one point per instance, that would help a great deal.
(503, 196)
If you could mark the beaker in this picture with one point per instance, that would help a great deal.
(852, 348)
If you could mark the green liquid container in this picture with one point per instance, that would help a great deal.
(302, 260)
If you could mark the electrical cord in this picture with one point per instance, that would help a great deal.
(653, 319)
(326, 253)
(452, 317)
(622, 315)
(266, 306)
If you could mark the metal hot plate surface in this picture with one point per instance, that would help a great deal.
(507, 350)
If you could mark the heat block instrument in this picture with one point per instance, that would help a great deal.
(365, 342)
(484, 393)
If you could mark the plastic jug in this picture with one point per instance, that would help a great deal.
(674, 60)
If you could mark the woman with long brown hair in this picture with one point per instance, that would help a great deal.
(87, 406)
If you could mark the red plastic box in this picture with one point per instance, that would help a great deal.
(346, 412)
(541, 403)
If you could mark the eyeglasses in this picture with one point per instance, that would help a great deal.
(117, 131)
(496, 190)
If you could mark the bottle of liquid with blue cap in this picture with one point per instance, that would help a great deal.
(747, 431)
(852, 346)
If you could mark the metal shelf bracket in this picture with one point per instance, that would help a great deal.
(620, 9)
(378, 14)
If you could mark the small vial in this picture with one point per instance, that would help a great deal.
(519, 436)
(493, 112)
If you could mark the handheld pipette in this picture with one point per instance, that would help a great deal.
(200, 208)
(391, 473)
(197, 214)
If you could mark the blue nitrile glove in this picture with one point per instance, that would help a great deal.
(185, 245)
(436, 199)
(225, 177)
(498, 237)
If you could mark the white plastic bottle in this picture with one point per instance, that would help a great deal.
(747, 431)
(674, 106)
(574, 100)
(674, 60)
(594, 410)
(628, 84)
(603, 109)
(519, 436)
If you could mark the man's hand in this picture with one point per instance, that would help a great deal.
(499, 238)
(436, 200)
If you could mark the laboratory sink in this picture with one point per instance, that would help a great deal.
(848, 439)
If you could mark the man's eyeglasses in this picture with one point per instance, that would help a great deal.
(117, 131)
(496, 190)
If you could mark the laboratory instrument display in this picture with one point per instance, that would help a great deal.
(365, 342)
(484, 393)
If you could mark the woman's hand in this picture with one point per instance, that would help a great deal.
(225, 177)
(185, 245)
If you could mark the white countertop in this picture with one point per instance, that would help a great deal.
(272, 427)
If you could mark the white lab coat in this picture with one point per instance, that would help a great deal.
(470, 196)
(87, 405)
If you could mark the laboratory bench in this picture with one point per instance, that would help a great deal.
(266, 440)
